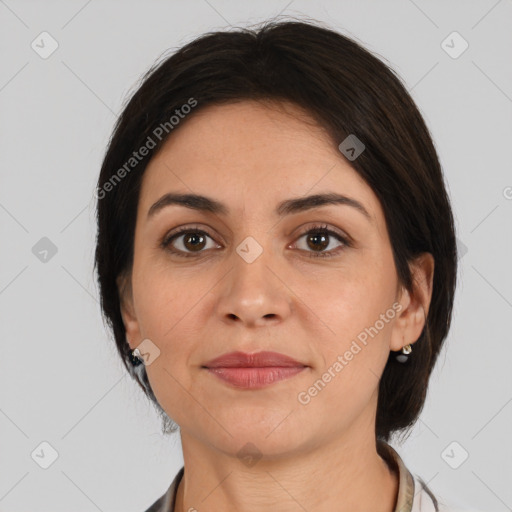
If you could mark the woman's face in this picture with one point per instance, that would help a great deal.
(252, 279)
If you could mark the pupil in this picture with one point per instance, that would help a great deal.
(322, 237)
(194, 237)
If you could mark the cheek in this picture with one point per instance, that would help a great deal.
(346, 303)
(164, 299)
(353, 319)
(167, 305)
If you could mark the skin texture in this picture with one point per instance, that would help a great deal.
(320, 456)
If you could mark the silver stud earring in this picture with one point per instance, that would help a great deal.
(135, 357)
(403, 355)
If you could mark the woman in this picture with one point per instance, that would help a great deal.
(277, 260)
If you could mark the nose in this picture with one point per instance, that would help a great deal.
(254, 293)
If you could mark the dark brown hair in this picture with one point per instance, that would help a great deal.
(347, 90)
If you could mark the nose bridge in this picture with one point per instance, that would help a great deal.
(252, 291)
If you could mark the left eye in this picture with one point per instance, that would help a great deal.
(318, 239)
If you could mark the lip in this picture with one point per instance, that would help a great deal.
(257, 360)
(254, 371)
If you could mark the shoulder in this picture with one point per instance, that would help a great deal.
(157, 505)
(426, 501)
(167, 501)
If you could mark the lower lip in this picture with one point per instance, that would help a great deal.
(254, 378)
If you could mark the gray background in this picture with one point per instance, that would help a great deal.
(61, 380)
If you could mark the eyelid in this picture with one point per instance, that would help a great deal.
(324, 226)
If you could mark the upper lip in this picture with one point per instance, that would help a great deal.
(256, 360)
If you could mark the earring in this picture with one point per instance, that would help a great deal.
(134, 357)
(403, 355)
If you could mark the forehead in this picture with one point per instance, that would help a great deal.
(250, 153)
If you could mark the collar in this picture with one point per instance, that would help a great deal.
(406, 482)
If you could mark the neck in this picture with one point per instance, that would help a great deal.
(343, 475)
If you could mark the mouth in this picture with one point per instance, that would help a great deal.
(254, 371)
(255, 378)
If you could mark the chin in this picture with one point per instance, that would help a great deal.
(270, 439)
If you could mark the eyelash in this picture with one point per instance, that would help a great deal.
(317, 230)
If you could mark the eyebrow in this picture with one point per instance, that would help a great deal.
(287, 207)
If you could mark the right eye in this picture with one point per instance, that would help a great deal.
(190, 239)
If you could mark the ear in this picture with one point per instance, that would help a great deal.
(415, 305)
(131, 325)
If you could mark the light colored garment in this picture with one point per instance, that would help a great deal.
(413, 493)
